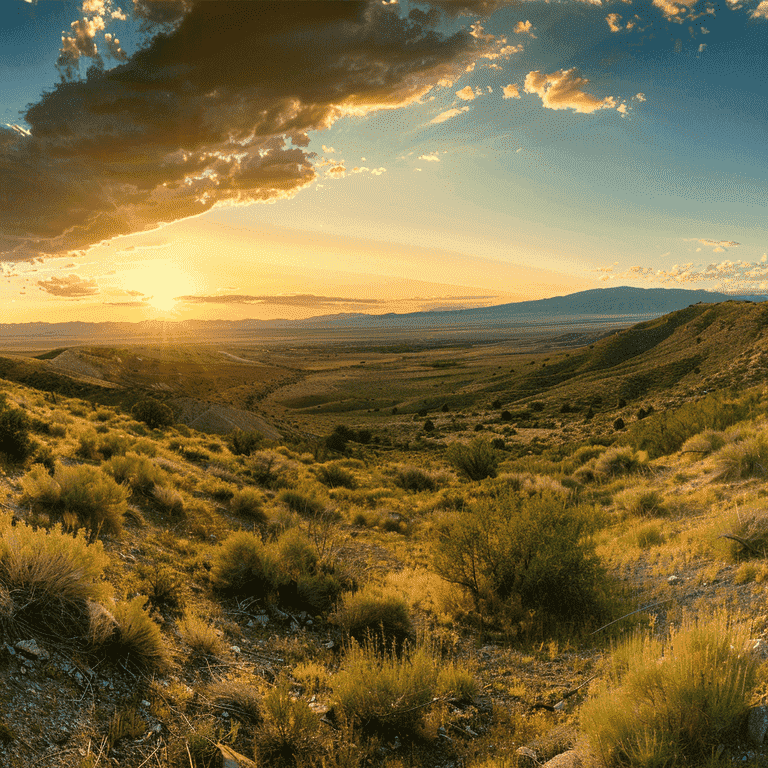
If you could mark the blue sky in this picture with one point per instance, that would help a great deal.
(379, 157)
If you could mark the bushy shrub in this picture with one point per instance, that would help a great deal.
(162, 586)
(240, 699)
(138, 640)
(244, 443)
(392, 694)
(748, 535)
(244, 565)
(267, 470)
(704, 443)
(48, 578)
(335, 476)
(304, 501)
(641, 501)
(416, 479)
(518, 554)
(248, 503)
(138, 472)
(169, 500)
(78, 495)
(15, 443)
(476, 460)
(374, 613)
(153, 413)
(619, 461)
(745, 459)
(672, 701)
(290, 733)
(199, 636)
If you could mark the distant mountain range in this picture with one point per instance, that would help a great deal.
(602, 306)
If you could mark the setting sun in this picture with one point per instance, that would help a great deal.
(159, 283)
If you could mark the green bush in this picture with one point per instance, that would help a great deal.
(517, 555)
(392, 694)
(671, 702)
(48, 578)
(335, 476)
(153, 413)
(15, 443)
(416, 479)
(305, 502)
(476, 460)
(244, 565)
(290, 734)
(78, 495)
(244, 443)
(374, 613)
(140, 473)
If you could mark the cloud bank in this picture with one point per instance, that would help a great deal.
(215, 110)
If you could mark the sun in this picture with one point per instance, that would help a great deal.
(160, 283)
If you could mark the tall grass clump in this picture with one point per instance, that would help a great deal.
(375, 613)
(475, 460)
(748, 458)
(15, 443)
(335, 476)
(140, 473)
(248, 503)
(671, 701)
(304, 501)
(392, 693)
(244, 565)
(642, 501)
(48, 578)
(77, 495)
(416, 479)
(518, 556)
(138, 640)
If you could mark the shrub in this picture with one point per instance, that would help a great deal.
(672, 701)
(138, 472)
(265, 470)
(153, 413)
(649, 535)
(415, 479)
(113, 444)
(243, 565)
(248, 502)
(87, 447)
(704, 443)
(519, 554)
(238, 698)
(290, 734)
(200, 636)
(748, 537)
(640, 502)
(162, 585)
(48, 578)
(476, 460)
(77, 495)
(742, 460)
(244, 443)
(374, 613)
(335, 476)
(138, 640)
(304, 502)
(618, 461)
(15, 442)
(392, 694)
(169, 500)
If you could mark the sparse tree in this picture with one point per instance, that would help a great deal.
(153, 413)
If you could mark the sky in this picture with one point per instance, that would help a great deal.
(231, 159)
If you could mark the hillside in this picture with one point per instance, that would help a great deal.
(435, 564)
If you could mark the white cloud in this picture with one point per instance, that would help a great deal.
(433, 158)
(448, 114)
(622, 108)
(702, 47)
(511, 91)
(378, 171)
(329, 150)
(524, 27)
(563, 90)
(467, 94)
(614, 22)
(640, 97)
(761, 12)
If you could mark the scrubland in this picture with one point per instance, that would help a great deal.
(355, 598)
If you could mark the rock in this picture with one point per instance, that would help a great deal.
(232, 759)
(569, 759)
(262, 620)
(32, 650)
(526, 757)
(757, 724)
(673, 579)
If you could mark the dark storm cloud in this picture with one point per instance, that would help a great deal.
(297, 300)
(214, 110)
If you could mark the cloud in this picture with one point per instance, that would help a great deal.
(718, 243)
(294, 300)
(640, 97)
(214, 110)
(563, 90)
(622, 108)
(761, 12)
(511, 91)
(337, 170)
(433, 158)
(113, 44)
(524, 27)
(71, 287)
(79, 43)
(329, 150)
(448, 114)
(467, 94)
(676, 10)
(614, 22)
